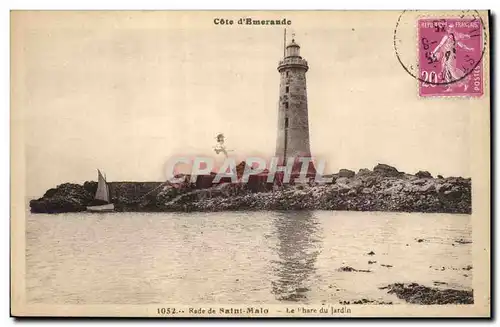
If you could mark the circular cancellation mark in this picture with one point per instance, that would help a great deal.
(439, 50)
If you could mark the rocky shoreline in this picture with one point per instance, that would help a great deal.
(382, 189)
(414, 293)
(418, 294)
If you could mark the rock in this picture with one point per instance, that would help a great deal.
(371, 262)
(419, 294)
(423, 174)
(386, 170)
(420, 240)
(371, 253)
(439, 283)
(364, 172)
(346, 173)
(365, 301)
(90, 186)
(469, 267)
(440, 176)
(388, 266)
(50, 193)
(462, 241)
(367, 190)
(342, 181)
(64, 198)
(351, 269)
(347, 268)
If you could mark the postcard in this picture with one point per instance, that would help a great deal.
(250, 164)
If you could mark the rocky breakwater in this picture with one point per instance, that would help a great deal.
(382, 189)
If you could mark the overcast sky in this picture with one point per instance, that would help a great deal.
(124, 92)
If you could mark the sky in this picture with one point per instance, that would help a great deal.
(124, 92)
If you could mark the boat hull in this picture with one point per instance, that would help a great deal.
(102, 208)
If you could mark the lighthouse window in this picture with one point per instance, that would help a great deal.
(287, 74)
(286, 105)
(286, 122)
(287, 89)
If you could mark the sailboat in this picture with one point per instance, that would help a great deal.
(101, 201)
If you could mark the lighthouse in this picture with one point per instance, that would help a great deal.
(293, 122)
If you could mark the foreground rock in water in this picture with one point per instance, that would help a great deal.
(419, 294)
(65, 198)
(383, 189)
(364, 301)
(351, 269)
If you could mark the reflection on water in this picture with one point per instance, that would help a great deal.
(240, 257)
(298, 246)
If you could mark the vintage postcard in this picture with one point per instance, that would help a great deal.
(250, 164)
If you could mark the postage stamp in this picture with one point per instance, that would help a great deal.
(449, 57)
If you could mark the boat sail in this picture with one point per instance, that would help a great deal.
(101, 198)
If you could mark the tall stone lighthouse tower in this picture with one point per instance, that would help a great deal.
(293, 122)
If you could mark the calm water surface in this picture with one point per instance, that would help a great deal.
(240, 257)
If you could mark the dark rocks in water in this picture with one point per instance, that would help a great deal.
(64, 198)
(436, 282)
(388, 266)
(351, 269)
(90, 186)
(462, 241)
(347, 268)
(50, 193)
(423, 174)
(469, 267)
(364, 301)
(371, 253)
(386, 170)
(346, 173)
(419, 294)
(371, 262)
(420, 240)
(440, 176)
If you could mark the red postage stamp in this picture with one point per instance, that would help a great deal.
(450, 55)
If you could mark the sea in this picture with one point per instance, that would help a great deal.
(242, 257)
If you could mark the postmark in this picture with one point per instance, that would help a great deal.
(443, 53)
